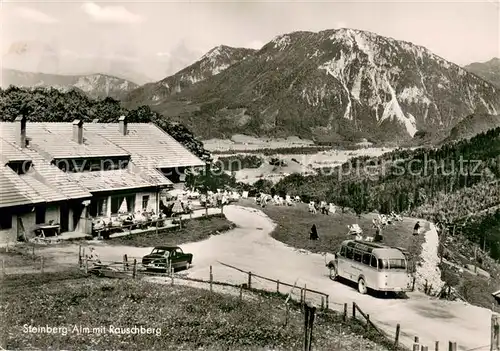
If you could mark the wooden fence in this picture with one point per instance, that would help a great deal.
(304, 290)
(131, 267)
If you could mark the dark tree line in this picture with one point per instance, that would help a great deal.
(447, 184)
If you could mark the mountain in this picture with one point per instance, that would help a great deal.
(489, 71)
(95, 85)
(334, 84)
(472, 125)
(212, 63)
(125, 63)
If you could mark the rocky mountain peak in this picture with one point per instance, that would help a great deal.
(335, 83)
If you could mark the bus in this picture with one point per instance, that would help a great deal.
(372, 266)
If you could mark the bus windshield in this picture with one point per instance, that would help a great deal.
(397, 264)
(393, 263)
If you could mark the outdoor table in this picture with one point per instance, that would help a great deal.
(43, 228)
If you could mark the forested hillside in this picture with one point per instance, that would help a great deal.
(51, 105)
(445, 185)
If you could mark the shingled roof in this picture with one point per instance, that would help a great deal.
(55, 139)
(47, 178)
(119, 179)
(148, 147)
(14, 191)
(147, 144)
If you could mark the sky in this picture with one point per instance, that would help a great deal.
(459, 31)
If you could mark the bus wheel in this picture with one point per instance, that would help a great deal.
(362, 286)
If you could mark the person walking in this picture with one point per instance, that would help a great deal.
(378, 234)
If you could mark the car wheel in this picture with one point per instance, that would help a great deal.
(188, 264)
(333, 271)
(362, 286)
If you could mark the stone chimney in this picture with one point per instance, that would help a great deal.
(21, 131)
(122, 123)
(78, 131)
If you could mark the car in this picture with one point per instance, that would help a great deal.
(161, 256)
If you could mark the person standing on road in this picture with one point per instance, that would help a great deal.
(416, 229)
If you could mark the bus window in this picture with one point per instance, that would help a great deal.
(357, 256)
(349, 253)
(342, 251)
(397, 264)
(383, 264)
(374, 262)
(366, 258)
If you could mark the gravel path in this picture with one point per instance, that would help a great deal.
(251, 248)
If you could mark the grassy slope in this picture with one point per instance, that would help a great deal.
(196, 229)
(189, 318)
(294, 224)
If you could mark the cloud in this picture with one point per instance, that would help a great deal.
(341, 24)
(256, 44)
(110, 14)
(33, 15)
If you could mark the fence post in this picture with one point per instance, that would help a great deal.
(345, 313)
(125, 262)
(278, 286)
(249, 280)
(322, 302)
(452, 346)
(495, 332)
(211, 278)
(416, 344)
(41, 264)
(134, 272)
(326, 302)
(354, 310)
(305, 291)
(86, 265)
(413, 284)
(396, 339)
(436, 346)
(156, 227)
(367, 321)
(180, 221)
(79, 255)
(306, 327)
(424, 348)
(312, 313)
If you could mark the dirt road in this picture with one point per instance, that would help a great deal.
(250, 247)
